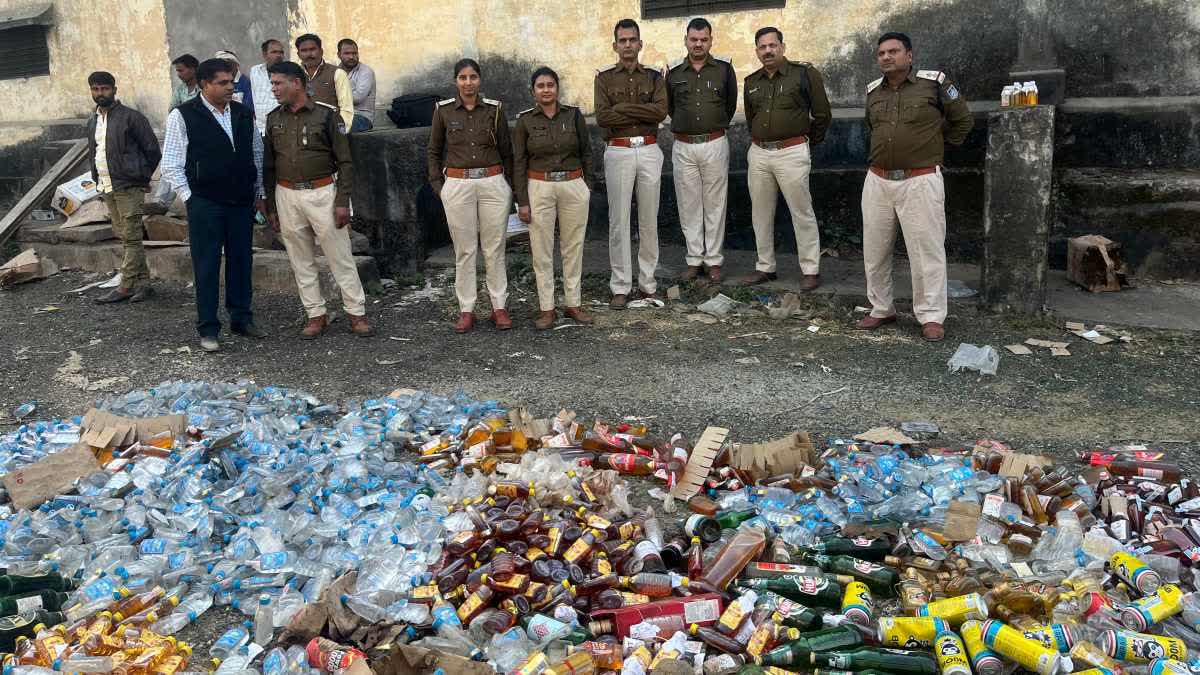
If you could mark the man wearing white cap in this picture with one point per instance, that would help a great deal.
(242, 90)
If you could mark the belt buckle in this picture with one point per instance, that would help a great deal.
(698, 138)
(637, 141)
(476, 173)
(897, 174)
(302, 185)
(772, 145)
(556, 176)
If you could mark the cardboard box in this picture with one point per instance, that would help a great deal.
(103, 429)
(704, 453)
(1095, 263)
(785, 455)
(70, 195)
(26, 266)
(33, 484)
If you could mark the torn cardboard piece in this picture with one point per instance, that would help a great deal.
(1016, 464)
(34, 483)
(414, 660)
(1093, 336)
(26, 266)
(704, 454)
(787, 455)
(1020, 350)
(94, 211)
(103, 429)
(1094, 262)
(962, 521)
(884, 436)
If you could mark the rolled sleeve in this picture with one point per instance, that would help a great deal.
(174, 156)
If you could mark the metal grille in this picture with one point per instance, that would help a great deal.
(657, 9)
(24, 52)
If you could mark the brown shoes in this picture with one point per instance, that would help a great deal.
(933, 332)
(314, 327)
(579, 315)
(873, 322)
(691, 273)
(643, 295)
(500, 319)
(360, 326)
(756, 277)
(466, 321)
(545, 319)
(618, 301)
(810, 282)
(714, 274)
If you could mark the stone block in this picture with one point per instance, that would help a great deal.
(165, 228)
(53, 233)
(1018, 180)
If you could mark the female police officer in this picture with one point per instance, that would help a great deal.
(473, 183)
(553, 168)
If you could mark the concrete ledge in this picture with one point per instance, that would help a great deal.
(54, 234)
(272, 271)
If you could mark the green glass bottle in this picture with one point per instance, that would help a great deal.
(859, 547)
(22, 625)
(880, 579)
(13, 584)
(809, 591)
(731, 519)
(792, 613)
(870, 658)
(799, 652)
(47, 600)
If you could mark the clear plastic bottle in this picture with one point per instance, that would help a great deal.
(264, 621)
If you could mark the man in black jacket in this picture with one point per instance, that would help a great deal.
(124, 154)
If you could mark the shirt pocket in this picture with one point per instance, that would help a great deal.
(540, 140)
(919, 110)
(879, 112)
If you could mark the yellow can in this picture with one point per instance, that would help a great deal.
(910, 632)
(1125, 645)
(958, 609)
(1135, 572)
(857, 604)
(951, 654)
(1141, 614)
(1030, 654)
(983, 660)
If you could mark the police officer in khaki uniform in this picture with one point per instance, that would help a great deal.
(786, 110)
(701, 97)
(911, 115)
(552, 167)
(631, 101)
(307, 178)
(473, 183)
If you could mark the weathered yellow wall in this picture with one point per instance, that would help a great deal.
(573, 37)
(124, 37)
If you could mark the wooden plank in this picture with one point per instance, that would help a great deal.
(46, 185)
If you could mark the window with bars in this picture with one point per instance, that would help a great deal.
(659, 9)
(23, 52)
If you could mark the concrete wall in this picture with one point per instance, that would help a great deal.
(1108, 47)
(124, 37)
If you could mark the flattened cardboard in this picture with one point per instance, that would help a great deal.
(26, 266)
(33, 484)
(103, 429)
(1016, 464)
(786, 455)
(962, 521)
(701, 460)
(884, 436)
(1020, 350)
(413, 660)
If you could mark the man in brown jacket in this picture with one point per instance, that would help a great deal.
(327, 83)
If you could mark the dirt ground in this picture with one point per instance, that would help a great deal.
(760, 377)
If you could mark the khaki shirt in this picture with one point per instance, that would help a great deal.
(792, 102)
(470, 139)
(909, 125)
(701, 101)
(305, 145)
(540, 143)
(630, 101)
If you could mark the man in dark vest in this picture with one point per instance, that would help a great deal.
(212, 156)
(327, 83)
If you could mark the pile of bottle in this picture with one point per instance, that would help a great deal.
(1018, 94)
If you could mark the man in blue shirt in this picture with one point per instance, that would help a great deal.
(243, 91)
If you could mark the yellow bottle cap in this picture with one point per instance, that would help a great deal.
(693, 628)
(118, 617)
(684, 581)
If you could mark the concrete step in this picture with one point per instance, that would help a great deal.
(272, 270)
(1118, 187)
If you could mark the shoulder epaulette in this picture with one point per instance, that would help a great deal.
(675, 64)
(605, 69)
(447, 101)
(935, 75)
(528, 110)
(331, 107)
(803, 64)
(754, 74)
(490, 101)
(874, 85)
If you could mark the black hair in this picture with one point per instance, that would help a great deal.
(768, 29)
(208, 69)
(543, 70)
(467, 63)
(626, 23)
(308, 37)
(267, 44)
(101, 77)
(346, 41)
(289, 70)
(904, 39)
(187, 60)
(699, 23)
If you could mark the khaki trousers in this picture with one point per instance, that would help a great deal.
(773, 171)
(568, 202)
(125, 211)
(701, 173)
(477, 211)
(627, 170)
(919, 203)
(306, 217)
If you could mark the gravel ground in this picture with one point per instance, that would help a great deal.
(677, 373)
